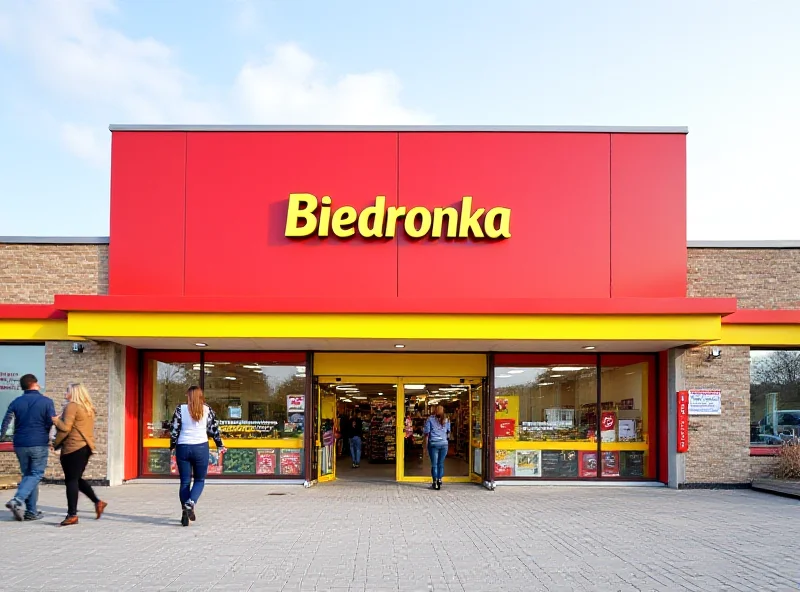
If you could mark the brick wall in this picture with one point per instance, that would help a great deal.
(758, 278)
(33, 274)
(719, 445)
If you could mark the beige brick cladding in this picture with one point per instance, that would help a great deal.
(758, 278)
(35, 273)
(719, 445)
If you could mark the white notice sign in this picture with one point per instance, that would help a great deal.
(705, 402)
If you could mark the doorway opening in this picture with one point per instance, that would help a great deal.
(371, 429)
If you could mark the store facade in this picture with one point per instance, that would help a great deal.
(536, 282)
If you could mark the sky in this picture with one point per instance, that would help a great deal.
(729, 70)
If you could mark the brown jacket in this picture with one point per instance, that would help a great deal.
(79, 426)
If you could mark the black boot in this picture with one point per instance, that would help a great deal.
(439, 484)
(434, 484)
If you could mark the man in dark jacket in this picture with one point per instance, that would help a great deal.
(33, 417)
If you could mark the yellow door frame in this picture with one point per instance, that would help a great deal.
(401, 381)
(332, 475)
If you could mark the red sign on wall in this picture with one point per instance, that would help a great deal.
(683, 421)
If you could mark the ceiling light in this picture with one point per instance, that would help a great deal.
(414, 387)
(342, 387)
(503, 376)
(301, 369)
(399, 345)
(259, 371)
(556, 375)
(207, 365)
(589, 347)
(347, 400)
(545, 384)
(229, 377)
(516, 371)
(568, 368)
(381, 394)
(251, 366)
(201, 344)
(359, 398)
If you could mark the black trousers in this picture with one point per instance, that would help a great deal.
(74, 464)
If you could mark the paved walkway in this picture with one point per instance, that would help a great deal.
(374, 537)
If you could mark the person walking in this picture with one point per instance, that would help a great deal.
(75, 439)
(193, 423)
(436, 431)
(32, 413)
(356, 431)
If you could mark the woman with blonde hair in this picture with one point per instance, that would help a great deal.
(75, 439)
(193, 423)
(437, 430)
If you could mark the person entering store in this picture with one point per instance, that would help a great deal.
(436, 432)
(193, 423)
(356, 431)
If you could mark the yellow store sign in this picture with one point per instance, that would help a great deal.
(308, 216)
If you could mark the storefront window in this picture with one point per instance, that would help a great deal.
(259, 400)
(625, 418)
(774, 397)
(554, 420)
(15, 362)
(545, 416)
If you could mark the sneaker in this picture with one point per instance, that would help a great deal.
(16, 509)
(69, 521)
(31, 517)
(189, 507)
(99, 508)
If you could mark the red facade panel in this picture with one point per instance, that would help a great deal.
(131, 450)
(146, 253)
(648, 215)
(238, 185)
(557, 188)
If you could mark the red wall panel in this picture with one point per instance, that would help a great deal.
(131, 452)
(648, 215)
(146, 252)
(238, 185)
(557, 188)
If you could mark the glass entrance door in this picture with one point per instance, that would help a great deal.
(417, 400)
(326, 434)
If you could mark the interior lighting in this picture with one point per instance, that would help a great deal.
(251, 366)
(230, 378)
(546, 384)
(414, 387)
(380, 394)
(568, 368)
(201, 344)
(399, 345)
(342, 387)
(516, 371)
(359, 398)
(589, 347)
(503, 376)
(556, 375)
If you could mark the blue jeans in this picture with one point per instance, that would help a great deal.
(192, 461)
(32, 464)
(355, 449)
(437, 452)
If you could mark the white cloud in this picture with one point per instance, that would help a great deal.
(94, 68)
(86, 143)
(290, 87)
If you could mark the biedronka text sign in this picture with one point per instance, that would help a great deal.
(308, 216)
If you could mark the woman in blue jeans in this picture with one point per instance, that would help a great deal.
(193, 423)
(436, 431)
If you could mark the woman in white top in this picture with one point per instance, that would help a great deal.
(192, 425)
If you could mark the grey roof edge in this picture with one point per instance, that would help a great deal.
(593, 129)
(54, 240)
(745, 244)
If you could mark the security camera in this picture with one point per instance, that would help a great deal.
(77, 348)
(715, 354)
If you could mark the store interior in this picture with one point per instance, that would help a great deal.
(376, 406)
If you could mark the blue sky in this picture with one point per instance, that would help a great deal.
(729, 70)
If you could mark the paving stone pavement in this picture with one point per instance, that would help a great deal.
(379, 537)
